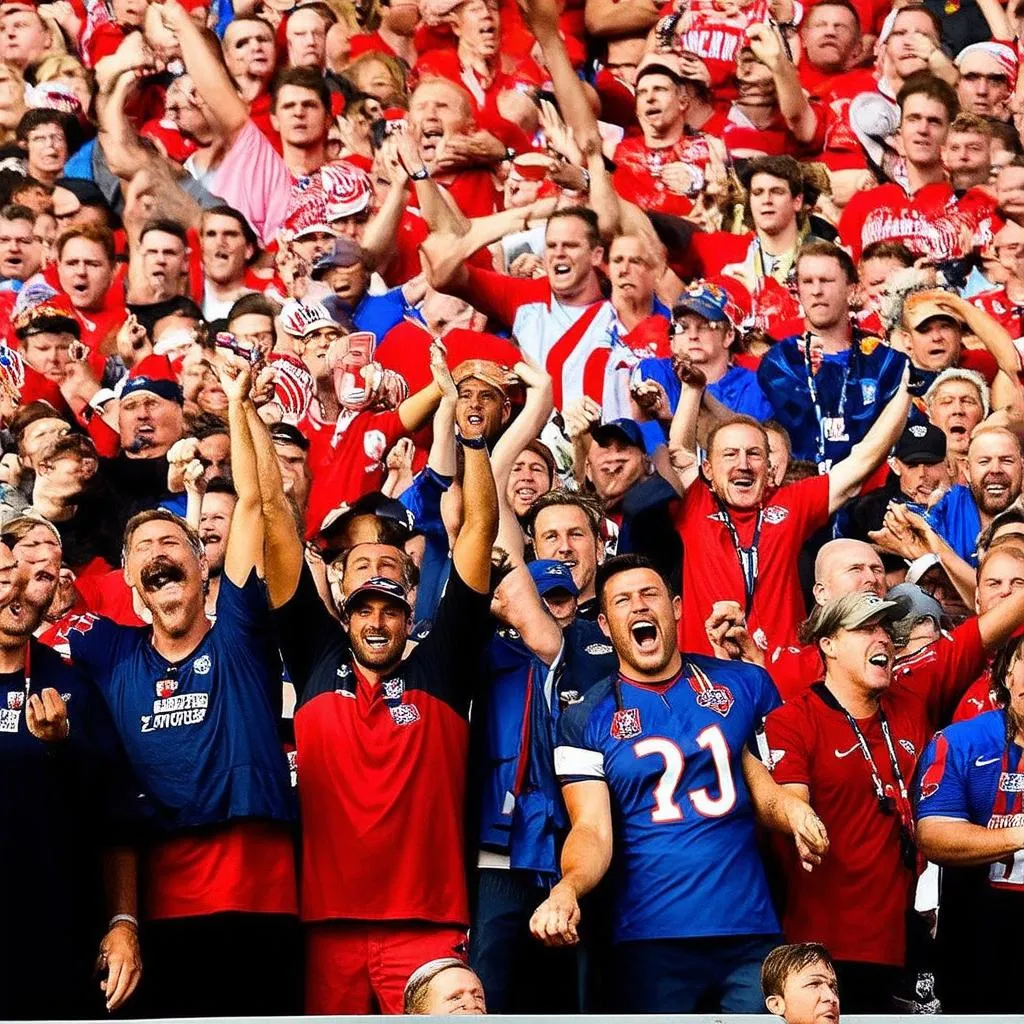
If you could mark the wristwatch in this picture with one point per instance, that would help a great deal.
(421, 175)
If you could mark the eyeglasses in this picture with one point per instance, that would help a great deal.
(681, 327)
(54, 138)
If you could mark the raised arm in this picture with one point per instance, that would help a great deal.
(682, 435)
(845, 478)
(767, 45)
(471, 553)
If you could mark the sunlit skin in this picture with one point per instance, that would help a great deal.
(778, 457)
(368, 560)
(249, 49)
(994, 471)
(38, 434)
(614, 468)
(923, 130)
(919, 481)
(148, 424)
(455, 991)
(631, 272)
(255, 331)
(85, 272)
(569, 259)
(478, 29)
(47, 149)
(640, 617)
(483, 406)
(24, 38)
(847, 567)
(436, 110)
(164, 260)
(306, 34)
(660, 107)
(831, 38)
(935, 344)
(810, 995)
(956, 409)
(214, 522)
(874, 274)
(224, 250)
(1001, 576)
(854, 654)
(295, 474)
(47, 353)
(737, 465)
(378, 629)
(314, 349)
(824, 291)
(215, 456)
(563, 532)
(772, 206)
(300, 118)
(900, 52)
(21, 255)
(529, 479)
(704, 342)
(1010, 192)
(984, 87)
(967, 157)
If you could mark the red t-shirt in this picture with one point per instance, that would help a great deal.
(978, 699)
(638, 171)
(711, 564)
(1005, 313)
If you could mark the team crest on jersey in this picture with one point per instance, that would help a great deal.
(775, 514)
(718, 699)
(15, 699)
(405, 714)
(394, 688)
(868, 391)
(597, 649)
(202, 665)
(909, 747)
(626, 724)
(1011, 782)
(83, 623)
(165, 687)
(760, 639)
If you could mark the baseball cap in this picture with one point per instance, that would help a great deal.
(921, 566)
(550, 574)
(378, 586)
(309, 217)
(25, 519)
(347, 190)
(346, 253)
(87, 192)
(623, 429)
(916, 603)
(851, 611)
(1001, 54)
(921, 444)
(481, 369)
(923, 306)
(43, 313)
(153, 374)
(287, 433)
(299, 319)
(706, 299)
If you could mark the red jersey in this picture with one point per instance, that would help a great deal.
(1007, 314)
(638, 171)
(716, 39)
(711, 561)
(979, 698)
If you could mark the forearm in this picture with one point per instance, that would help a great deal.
(442, 459)
(770, 800)
(995, 15)
(793, 103)
(244, 472)
(378, 240)
(510, 534)
(960, 573)
(439, 210)
(471, 553)
(604, 200)
(1000, 622)
(942, 67)
(613, 19)
(193, 507)
(586, 856)
(572, 100)
(417, 409)
(120, 881)
(526, 426)
(963, 844)
(683, 432)
(995, 338)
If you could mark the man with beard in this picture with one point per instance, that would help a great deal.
(994, 472)
(382, 747)
(197, 706)
(65, 788)
(215, 516)
(654, 761)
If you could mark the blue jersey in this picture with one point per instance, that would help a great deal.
(379, 313)
(968, 773)
(956, 520)
(686, 863)
(201, 733)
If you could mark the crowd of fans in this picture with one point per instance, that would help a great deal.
(510, 508)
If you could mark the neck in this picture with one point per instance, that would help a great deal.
(836, 338)
(12, 653)
(715, 371)
(918, 177)
(587, 292)
(175, 648)
(760, 113)
(330, 407)
(668, 673)
(632, 308)
(782, 242)
(485, 67)
(851, 695)
(250, 87)
(230, 290)
(1015, 290)
(51, 508)
(211, 595)
(665, 138)
(304, 160)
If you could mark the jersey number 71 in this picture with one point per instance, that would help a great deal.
(665, 806)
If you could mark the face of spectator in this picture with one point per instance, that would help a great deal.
(315, 348)
(874, 274)
(456, 991)
(563, 532)
(24, 38)
(935, 344)
(200, 384)
(1001, 576)
(660, 106)
(923, 130)
(370, 559)
(778, 457)
(810, 995)
(294, 466)
(478, 27)
(848, 567)
(703, 342)
(79, 85)
(47, 353)
(166, 574)
(824, 291)
(20, 254)
(44, 234)
(994, 471)
(831, 38)
(224, 250)
(12, 95)
(64, 596)
(918, 481)
(306, 33)
(249, 50)
(130, 13)
(754, 82)
(378, 629)
(47, 148)
(984, 87)
(772, 206)
(254, 330)
(69, 212)
(373, 77)
(528, 480)
(312, 245)
(737, 465)
(444, 313)
(569, 259)
(214, 523)
(614, 468)
(436, 110)
(899, 48)
(38, 555)
(348, 283)
(164, 260)
(37, 435)
(299, 117)
(956, 410)
(864, 655)
(148, 424)
(215, 455)
(631, 271)
(520, 191)
(968, 159)
(183, 107)
(85, 272)
(639, 615)
(483, 406)
(67, 476)
(1010, 192)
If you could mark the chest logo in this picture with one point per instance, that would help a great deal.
(846, 753)
(405, 714)
(374, 445)
(711, 696)
(626, 724)
(775, 514)
(597, 649)
(394, 688)
(909, 747)
(165, 687)
(15, 699)
(202, 665)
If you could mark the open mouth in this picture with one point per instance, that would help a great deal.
(160, 573)
(474, 419)
(376, 642)
(211, 538)
(527, 495)
(645, 636)
(743, 481)
(879, 660)
(562, 271)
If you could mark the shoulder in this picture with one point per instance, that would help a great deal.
(982, 734)
(576, 722)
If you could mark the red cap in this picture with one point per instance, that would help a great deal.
(155, 368)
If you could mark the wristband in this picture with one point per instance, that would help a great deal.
(127, 918)
(421, 175)
(101, 398)
(476, 443)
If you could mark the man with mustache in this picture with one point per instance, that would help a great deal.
(197, 706)
(994, 473)
(382, 746)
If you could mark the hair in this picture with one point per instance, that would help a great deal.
(326, 15)
(775, 427)
(625, 563)
(36, 118)
(920, 8)
(581, 213)
(223, 210)
(17, 211)
(60, 65)
(958, 373)
(208, 425)
(150, 515)
(819, 247)
(254, 304)
(26, 416)
(784, 961)
(103, 237)
(1006, 135)
(22, 524)
(888, 250)
(586, 503)
(301, 78)
(987, 540)
(971, 123)
(924, 83)
(414, 1000)
(737, 419)
(783, 167)
(71, 444)
(845, 4)
(396, 72)
(218, 485)
(167, 226)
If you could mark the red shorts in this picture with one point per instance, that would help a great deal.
(362, 966)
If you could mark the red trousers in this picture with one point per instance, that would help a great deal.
(362, 966)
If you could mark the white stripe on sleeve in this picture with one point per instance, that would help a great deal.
(579, 761)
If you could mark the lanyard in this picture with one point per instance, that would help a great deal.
(813, 390)
(28, 671)
(747, 556)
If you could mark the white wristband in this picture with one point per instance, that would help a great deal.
(101, 398)
(127, 918)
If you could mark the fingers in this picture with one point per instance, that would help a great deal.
(53, 707)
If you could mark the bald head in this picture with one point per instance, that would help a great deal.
(847, 567)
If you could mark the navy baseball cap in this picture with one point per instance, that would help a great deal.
(169, 389)
(549, 574)
(626, 430)
(921, 444)
(378, 586)
(346, 253)
(706, 299)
